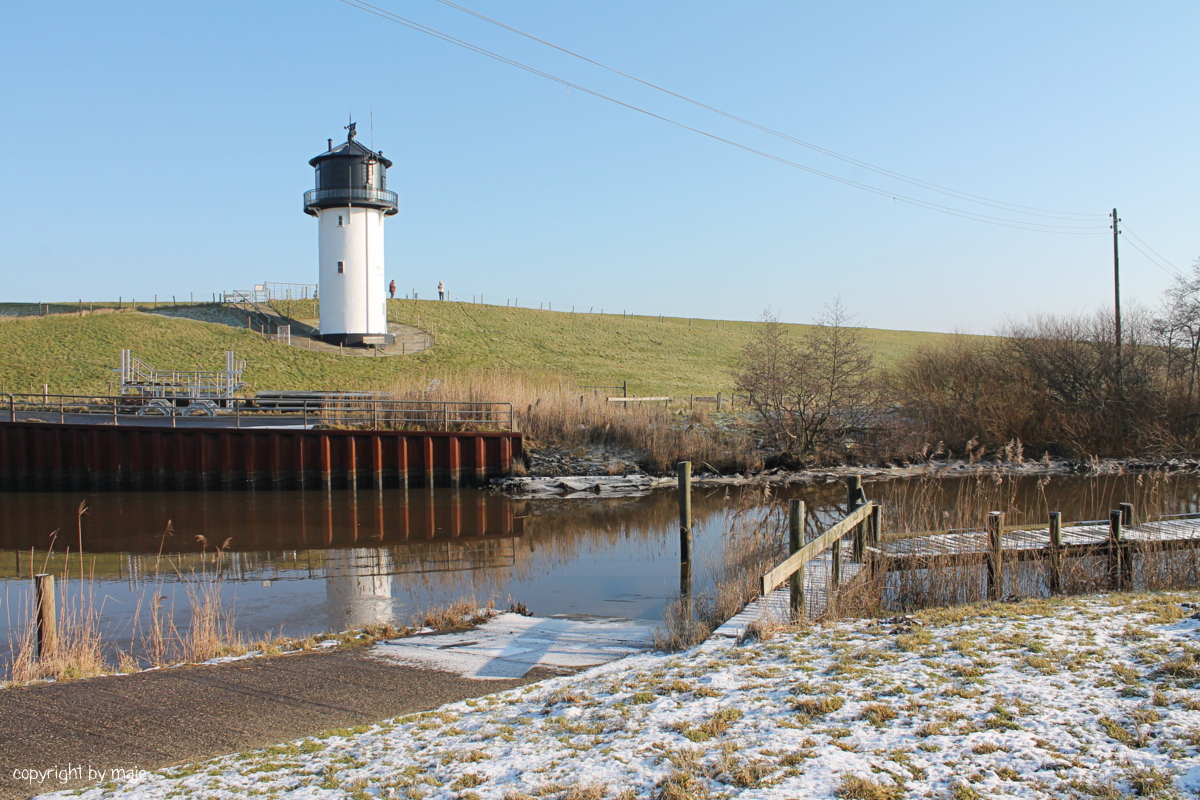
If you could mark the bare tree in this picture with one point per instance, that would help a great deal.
(814, 393)
(1177, 331)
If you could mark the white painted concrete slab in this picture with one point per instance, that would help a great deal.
(509, 645)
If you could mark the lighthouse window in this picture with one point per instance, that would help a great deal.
(341, 267)
(339, 220)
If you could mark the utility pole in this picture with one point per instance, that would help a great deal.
(1117, 299)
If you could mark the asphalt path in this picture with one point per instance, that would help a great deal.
(151, 720)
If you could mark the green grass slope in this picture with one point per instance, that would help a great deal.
(673, 356)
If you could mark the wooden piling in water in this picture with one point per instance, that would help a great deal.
(995, 558)
(47, 617)
(795, 542)
(683, 470)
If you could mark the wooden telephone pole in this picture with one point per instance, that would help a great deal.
(1117, 299)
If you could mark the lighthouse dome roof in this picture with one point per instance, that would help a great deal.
(350, 149)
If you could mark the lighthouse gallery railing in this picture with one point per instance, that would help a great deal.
(382, 196)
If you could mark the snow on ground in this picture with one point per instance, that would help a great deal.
(509, 645)
(1068, 698)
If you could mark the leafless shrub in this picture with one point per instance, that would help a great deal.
(815, 395)
(1055, 383)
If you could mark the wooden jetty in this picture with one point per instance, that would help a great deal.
(808, 584)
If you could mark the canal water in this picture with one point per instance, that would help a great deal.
(297, 563)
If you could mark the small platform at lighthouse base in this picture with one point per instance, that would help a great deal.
(359, 339)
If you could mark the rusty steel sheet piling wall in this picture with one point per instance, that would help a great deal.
(55, 457)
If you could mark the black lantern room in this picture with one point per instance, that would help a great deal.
(350, 175)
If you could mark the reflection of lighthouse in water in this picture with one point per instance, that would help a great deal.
(358, 587)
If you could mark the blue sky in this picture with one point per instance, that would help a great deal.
(162, 148)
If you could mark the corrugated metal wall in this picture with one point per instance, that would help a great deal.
(47, 457)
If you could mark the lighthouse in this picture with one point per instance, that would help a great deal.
(350, 203)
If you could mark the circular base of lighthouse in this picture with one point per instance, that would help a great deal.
(359, 339)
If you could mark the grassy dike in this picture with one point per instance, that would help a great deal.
(679, 357)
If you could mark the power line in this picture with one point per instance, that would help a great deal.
(1173, 273)
(1000, 204)
(957, 212)
(1151, 249)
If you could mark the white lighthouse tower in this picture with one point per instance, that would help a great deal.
(350, 203)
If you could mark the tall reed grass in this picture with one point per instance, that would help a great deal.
(556, 412)
(155, 639)
(752, 542)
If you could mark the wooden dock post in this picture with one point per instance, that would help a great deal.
(684, 471)
(1118, 560)
(875, 533)
(995, 558)
(1126, 514)
(856, 498)
(47, 617)
(795, 542)
(1055, 579)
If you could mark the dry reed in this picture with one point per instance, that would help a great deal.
(555, 412)
(212, 631)
(752, 542)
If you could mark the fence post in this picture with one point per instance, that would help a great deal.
(47, 617)
(995, 557)
(1055, 552)
(719, 399)
(1116, 569)
(1126, 514)
(795, 542)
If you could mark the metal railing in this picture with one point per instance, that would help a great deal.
(288, 291)
(323, 412)
(140, 379)
(380, 196)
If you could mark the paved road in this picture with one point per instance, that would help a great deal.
(155, 719)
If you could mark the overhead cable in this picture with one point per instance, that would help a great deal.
(1126, 229)
(1000, 204)
(1019, 224)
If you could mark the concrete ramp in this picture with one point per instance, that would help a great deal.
(509, 645)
